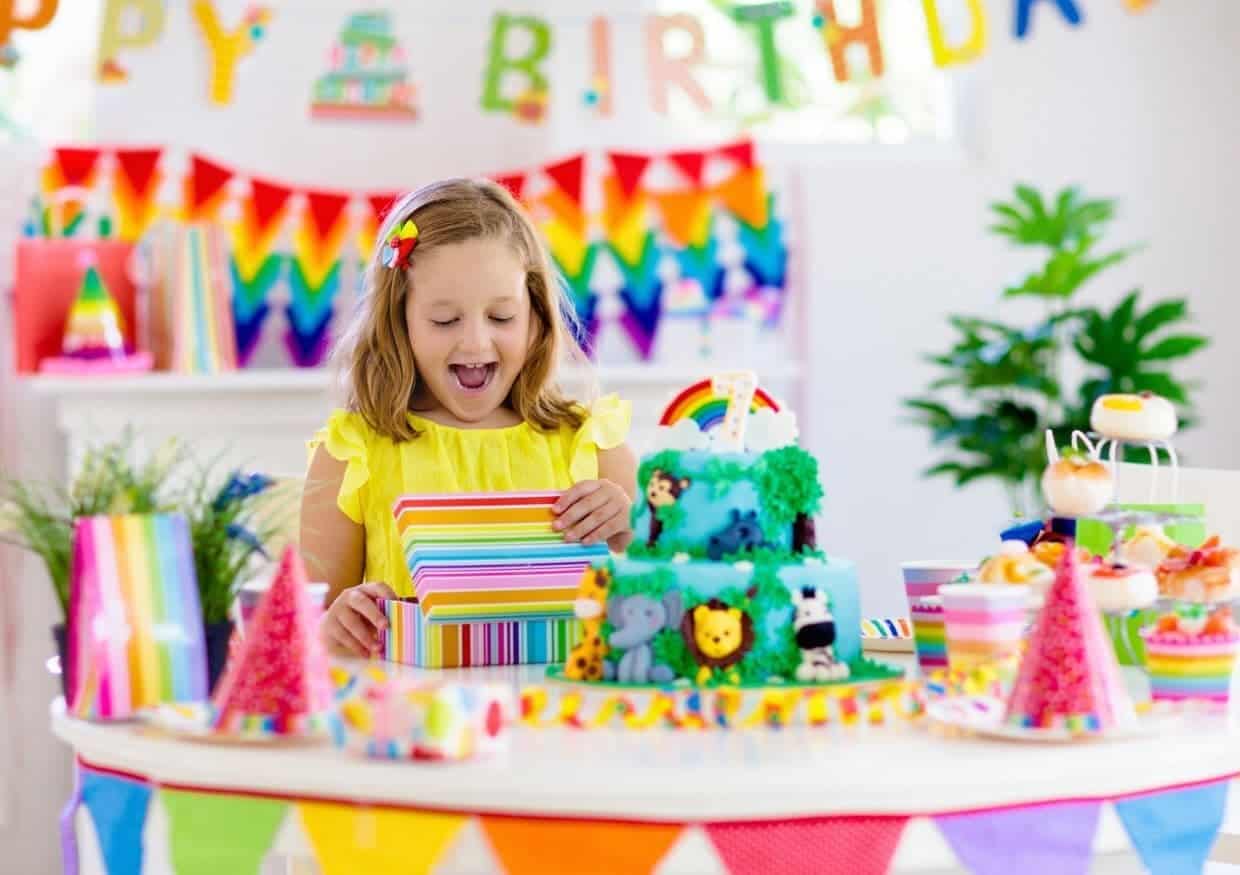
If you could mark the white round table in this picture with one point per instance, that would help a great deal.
(661, 775)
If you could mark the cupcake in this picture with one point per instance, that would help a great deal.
(1207, 575)
(1147, 547)
(1191, 656)
(1120, 589)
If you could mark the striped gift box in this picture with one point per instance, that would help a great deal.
(490, 558)
(411, 639)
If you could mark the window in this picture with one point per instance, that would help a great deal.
(911, 103)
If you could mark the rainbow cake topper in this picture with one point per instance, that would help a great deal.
(135, 618)
(706, 405)
(94, 340)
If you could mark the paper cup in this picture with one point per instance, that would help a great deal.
(1190, 667)
(984, 625)
(923, 578)
(929, 641)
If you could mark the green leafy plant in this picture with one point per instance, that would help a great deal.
(1001, 386)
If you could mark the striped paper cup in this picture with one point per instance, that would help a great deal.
(984, 624)
(929, 640)
(923, 578)
(1189, 667)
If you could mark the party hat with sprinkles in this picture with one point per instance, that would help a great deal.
(1068, 679)
(279, 682)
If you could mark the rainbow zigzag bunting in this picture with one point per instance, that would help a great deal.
(308, 303)
(249, 330)
(642, 283)
(701, 263)
(308, 348)
(766, 257)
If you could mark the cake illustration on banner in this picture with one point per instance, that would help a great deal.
(1191, 654)
(367, 79)
(724, 583)
(1068, 679)
(493, 582)
(279, 683)
(94, 339)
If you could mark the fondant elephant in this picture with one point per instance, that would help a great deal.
(637, 619)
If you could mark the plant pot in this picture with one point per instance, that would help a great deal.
(217, 637)
(60, 633)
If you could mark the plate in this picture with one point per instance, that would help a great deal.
(983, 715)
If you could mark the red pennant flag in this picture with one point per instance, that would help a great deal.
(859, 845)
(138, 167)
(325, 208)
(630, 168)
(740, 152)
(514, 182)
(569, 175)
(268, 199)
(381, 203)
(76, 164)
(206, 180)
(690, 164)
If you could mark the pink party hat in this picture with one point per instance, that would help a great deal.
(1068, 678)
(279, 682)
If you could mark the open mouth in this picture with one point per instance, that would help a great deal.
(474, 378)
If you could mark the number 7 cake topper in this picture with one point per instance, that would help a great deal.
(720, 406)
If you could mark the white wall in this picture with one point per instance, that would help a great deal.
(1137, 107)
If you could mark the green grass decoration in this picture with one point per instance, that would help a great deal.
(787, 483)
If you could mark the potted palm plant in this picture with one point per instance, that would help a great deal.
(1001, 385)
(230, 523)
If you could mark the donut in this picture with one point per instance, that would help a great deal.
(1140, 418)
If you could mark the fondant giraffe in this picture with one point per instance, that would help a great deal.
(585, 662)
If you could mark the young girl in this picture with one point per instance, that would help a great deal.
(449, 372)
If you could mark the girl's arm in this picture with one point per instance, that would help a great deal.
(332, 545)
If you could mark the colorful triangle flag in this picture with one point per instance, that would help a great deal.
(368, 228)
(280, 677)
(857, 845)
(379, 841)
(551, 846)
(624, 220)
(205, 188)
(565, 209)
(630, 167)
(118, 807)
(325, 208)
(569, 176)
(135, 185)
(701, 263)
(741, 152)
(1174, 831)
(690, 164)
(210, 833)
(766, 257)
(76, 166)
(567, 247)
(744, 194)
(686, 215)
(1024, 841)
(514, 182)
(308, 345)
(267, 202)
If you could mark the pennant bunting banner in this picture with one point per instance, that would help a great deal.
(1173, 832)
(314, 276)
(118, 807)
(857, 845)
(514, 182)
(372, 218)
(378, 841)
(1024, 841)
(210, 833)
(550, 846)
(70, 168)
(206, 188)
(569, 177)
(630, 168)
(690, 164)
(255, 266)
(135, 185)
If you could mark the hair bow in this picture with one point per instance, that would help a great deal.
(400, 246)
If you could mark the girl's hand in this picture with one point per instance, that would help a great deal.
(352, 624)
(593, 511)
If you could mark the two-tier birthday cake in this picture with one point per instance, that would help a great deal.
(724, 582)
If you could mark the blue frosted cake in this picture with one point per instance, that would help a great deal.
(724, 582)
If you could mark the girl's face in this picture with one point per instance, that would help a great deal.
(468, 314)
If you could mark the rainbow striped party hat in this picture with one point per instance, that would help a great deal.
(95, 329)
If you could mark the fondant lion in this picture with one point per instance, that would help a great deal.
(718, 637)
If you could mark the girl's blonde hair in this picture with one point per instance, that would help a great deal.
(375, 354)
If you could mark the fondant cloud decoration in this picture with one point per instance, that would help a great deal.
(684, 435)
(770, 430)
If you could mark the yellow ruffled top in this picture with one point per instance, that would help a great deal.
(443, 459)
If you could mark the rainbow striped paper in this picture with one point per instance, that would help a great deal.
(490, 558)
(136, 633)
(414, 641)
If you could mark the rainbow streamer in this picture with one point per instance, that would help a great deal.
(204, 341)
(701, 403)
(412, 640)
(490, 557)
(136, 623)
(254, 267)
